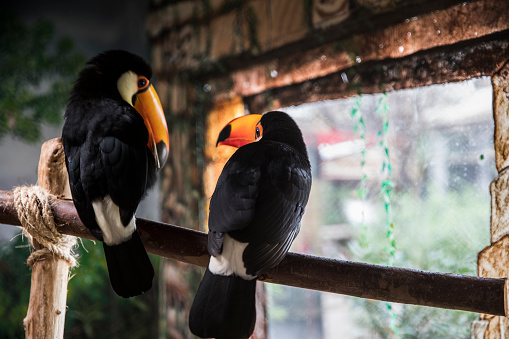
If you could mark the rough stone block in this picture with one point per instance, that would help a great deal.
(177, 99)
(287, 23)
(255, 27)
(327, 13)
(216, 157)
(180, 13)
(179, 49)
(499, 189)
(498, 328)
(478, 328)
(222, 35)
(500, 83)
(493, 262)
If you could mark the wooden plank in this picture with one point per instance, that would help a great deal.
(453, 63)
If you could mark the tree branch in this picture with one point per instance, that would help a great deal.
(451, 291)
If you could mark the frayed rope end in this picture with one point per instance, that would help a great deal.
(33, 204)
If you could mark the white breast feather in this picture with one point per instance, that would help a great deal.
(230, 261)
(107, 215)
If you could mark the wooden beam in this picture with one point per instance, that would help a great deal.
(453, 63)
(452, 291)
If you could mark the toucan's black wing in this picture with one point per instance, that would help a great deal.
(108, 155)
(283, 195)
(232, 206)
(126, 161)
(260, 199)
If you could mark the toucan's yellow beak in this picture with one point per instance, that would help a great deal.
(241, 131)
(149, 106)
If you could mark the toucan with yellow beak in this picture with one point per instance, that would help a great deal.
(255, 214)
(115, 139)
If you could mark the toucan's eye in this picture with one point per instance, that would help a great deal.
(142, 83)
(259, 131)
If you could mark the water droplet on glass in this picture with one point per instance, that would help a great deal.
(358, 59)
(207, 88)
(344, 77)
(401, 49)
(438, 32)
(273, 73)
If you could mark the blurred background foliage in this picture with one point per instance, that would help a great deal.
(38, 72)
(440, 242)
(14, 287)
(94, 310)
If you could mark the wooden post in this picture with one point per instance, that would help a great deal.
(48, 292)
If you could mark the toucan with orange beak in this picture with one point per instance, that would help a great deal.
(115, 140)
(255, 214)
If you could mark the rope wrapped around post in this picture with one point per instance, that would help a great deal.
(53, 251)
(33, 204)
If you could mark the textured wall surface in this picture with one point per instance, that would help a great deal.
(493, 261)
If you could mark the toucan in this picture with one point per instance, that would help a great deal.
(254, 215)
(115, 139)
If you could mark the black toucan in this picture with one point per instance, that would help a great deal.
(255, 214)
(115, 139)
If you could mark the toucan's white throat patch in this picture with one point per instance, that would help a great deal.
(127, 86)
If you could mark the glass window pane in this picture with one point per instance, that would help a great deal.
(435, 146)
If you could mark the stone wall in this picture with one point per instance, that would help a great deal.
(493, 261)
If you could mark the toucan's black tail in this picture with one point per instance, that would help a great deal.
(224, 307)
(131, 272)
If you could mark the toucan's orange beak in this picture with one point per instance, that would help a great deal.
(241, 131)
(149, 106)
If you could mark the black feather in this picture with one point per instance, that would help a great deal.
(224, 307)
(131, 272)
(215, 242)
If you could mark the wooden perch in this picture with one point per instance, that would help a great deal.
(452, 291)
